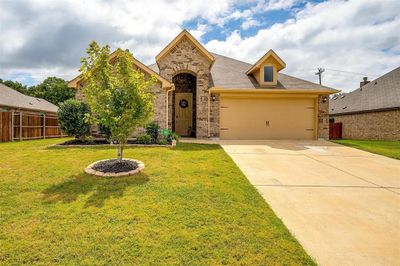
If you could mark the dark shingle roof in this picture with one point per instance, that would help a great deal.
(382, 93)
(13, 98)
(231, 73)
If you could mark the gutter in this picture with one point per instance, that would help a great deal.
(366, 111)
(270, 91)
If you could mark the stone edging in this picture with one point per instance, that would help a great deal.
(112, 145)
(89, 170)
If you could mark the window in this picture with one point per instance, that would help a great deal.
(268, 74)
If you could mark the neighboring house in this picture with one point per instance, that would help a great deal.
(202, 94)
(25, 117)
(371, 111)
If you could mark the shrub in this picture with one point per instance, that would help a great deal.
(143, 139)
(169, 135)
(153, 130)
(72, 118)
(162, 141)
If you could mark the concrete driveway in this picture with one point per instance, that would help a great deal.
(342, 204)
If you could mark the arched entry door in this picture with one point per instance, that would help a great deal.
(184, 104)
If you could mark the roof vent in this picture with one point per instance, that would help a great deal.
(30, 103)
(342, 96)
(37, 99)
(344, 107)
(364, 82)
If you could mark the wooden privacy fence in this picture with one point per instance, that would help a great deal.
(335, 130)
(24, 125)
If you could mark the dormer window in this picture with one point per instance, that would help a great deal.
(268, 73)
(266, 69)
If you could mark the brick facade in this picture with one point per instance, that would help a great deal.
(383, 125)
(214, 115)
(186, 58)
(323, 117)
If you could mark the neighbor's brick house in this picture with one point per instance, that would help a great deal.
(202, 94)
(371, 112)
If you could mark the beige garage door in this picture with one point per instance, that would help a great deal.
(267, 118)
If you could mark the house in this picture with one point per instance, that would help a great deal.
(24, 117)
(203, 94)
(370, 112)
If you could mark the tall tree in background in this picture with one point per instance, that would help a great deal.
(53, 89)
(119, 96)
(15, 85)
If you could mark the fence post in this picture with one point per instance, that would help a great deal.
(20, 125)
(12, 126)
(44, 126)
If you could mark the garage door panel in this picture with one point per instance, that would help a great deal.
(267, 118)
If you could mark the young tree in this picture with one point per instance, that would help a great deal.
(119, 96)
(52, 89)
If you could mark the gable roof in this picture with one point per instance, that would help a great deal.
(164, 83)
(380, 94)
(12, 98)
(270, 53)
(230, 73)
(182, 35)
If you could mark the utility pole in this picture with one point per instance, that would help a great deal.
(319, 73)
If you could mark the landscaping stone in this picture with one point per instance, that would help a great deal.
(115, 168)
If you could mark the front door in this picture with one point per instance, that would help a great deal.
(183, 113)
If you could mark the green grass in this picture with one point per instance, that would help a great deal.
(191, 206)
(382, 147)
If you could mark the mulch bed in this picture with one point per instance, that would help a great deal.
(115, 166)
(94, 142)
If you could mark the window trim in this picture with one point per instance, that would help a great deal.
(272, 74)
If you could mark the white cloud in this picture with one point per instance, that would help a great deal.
(355, 36)
(45, 38)
(248, 23)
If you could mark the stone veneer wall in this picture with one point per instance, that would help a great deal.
(323, 117)
(185, 58)
(214, 115)
(380, 125)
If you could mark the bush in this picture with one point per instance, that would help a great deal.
(143, 139)
(169, 135)
(162, 141)
(72, 118)
(153, 130)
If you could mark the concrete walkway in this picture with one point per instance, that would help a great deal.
(342, 204)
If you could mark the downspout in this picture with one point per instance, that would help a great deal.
(167, 114)
(208, 114)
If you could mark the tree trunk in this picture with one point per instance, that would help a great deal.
(120, 151)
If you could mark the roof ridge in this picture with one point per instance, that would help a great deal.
(231, 58)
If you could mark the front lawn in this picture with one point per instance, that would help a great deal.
(382, 147)
(191, 206)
